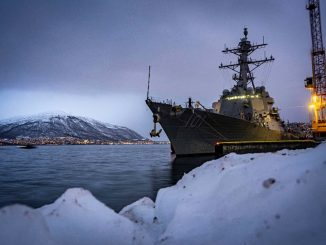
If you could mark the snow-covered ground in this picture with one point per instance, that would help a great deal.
(268, 198)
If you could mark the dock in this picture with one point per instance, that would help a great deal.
(241, 147)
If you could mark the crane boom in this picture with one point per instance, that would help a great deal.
(317, 84)
(317, 52)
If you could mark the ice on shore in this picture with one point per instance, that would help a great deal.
(266, 198)
(20, 224)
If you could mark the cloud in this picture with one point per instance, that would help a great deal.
(99, 47)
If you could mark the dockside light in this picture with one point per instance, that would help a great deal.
(242, 97)
(314, 98)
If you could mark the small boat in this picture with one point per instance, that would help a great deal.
(27, 146)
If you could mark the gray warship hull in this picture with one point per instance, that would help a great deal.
(194, 131)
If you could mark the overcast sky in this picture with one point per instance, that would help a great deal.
(91, 58)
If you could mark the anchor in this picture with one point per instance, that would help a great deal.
(155, 133)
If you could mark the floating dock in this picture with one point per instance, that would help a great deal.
(241, 147)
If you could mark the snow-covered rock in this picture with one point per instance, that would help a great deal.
(142, 212)
(271, 198)
(23, 225)
(266, 198)
(78, 218)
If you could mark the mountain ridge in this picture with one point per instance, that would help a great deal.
(64, 125)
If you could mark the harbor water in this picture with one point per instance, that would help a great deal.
(117, 175)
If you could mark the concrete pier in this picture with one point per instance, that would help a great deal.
(223, 148)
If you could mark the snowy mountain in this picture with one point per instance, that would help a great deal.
(64, 125)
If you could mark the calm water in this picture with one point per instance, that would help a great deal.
(116, 174)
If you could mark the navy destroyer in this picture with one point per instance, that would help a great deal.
(246, 113)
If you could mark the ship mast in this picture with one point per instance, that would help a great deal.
(244, 75)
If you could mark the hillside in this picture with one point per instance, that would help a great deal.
(64, 125)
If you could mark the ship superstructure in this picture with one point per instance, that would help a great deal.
(244, 113)
(245, 100)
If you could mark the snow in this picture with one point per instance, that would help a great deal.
(43, 117)
(235, 207)
(96, 123)
(22, 225)
(78, 218)
(61, 115)
(266, 198)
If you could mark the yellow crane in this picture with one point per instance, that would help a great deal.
(317, 83)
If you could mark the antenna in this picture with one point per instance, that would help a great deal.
(243, 51)
(149, 78)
